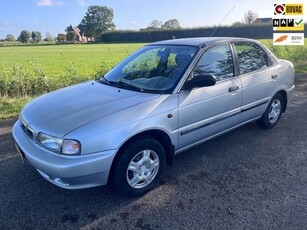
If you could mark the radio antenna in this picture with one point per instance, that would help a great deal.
(222, 21)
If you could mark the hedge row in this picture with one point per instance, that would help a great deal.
(256, 31)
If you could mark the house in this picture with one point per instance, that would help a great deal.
(81, 37)
(263, 21)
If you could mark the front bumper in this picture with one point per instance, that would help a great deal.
(70, 172)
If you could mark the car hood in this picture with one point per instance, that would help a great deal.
(62, 111)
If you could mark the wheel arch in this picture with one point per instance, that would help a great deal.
(158, 135)
(284, 96)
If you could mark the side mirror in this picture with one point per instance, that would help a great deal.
(202, 80)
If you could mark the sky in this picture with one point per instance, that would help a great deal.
(54, 16)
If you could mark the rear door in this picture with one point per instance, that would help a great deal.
(205, 112)
(258, 78)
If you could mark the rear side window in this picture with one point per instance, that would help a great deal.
(251, 57)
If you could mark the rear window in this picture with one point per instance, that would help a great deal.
(251, 57)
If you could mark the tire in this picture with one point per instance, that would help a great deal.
(273, 112)
(139, 167)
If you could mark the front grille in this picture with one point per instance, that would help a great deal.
(30, 132)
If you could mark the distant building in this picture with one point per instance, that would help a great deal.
(81, 37)
(263, 21)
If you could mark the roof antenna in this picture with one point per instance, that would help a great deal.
(222, 21)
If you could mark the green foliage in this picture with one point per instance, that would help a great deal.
(34, 70)
(49, 37)
(296, 54)
(10, 38)
(255, 31)
(24, 36)
(61, 38)
(171, 24)
(36, 36)
(39, 36)
(69, 29)
(10, 107)
(71, 36)
(97, 19)
(155, 24)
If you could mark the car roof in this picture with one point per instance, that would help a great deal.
(200, 41)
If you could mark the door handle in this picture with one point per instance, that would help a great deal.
(233, 88)
(274, 76)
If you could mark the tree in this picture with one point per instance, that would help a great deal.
(70, 33)
(39, 36)
(34, 36)
(155, 24)
(24, 36)
(237, 23)
(61, 38)
(49, 37)
(250, 16)
(10, 38)
(97, 19)
(71, 36)
(69, 29)
(171, 24)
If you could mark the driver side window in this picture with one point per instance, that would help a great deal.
(217, 61)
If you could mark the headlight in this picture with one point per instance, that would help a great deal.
(59, 145)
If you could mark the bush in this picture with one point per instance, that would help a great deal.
(248, 31)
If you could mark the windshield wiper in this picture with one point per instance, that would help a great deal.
(126, 85)
(103, 80)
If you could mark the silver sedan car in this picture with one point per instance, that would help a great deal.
(123, 128)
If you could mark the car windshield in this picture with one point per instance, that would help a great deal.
(155, 69)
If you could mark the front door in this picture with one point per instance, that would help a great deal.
(208, 111)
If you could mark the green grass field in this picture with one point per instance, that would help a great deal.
(29, 71)
(53, 60)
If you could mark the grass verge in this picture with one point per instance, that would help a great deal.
(10, 107)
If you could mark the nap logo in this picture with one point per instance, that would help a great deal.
(288, 24)
(288, 9)
(288, 38)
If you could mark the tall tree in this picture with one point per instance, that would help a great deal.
(69, 29)
(71, 36)
(24, 36)
(97, 19)
(155, 24)
(34, 36)
(10, 38)
(171, 24)
(61, 38)
(49, 37)
(250, 16)
(39, 36)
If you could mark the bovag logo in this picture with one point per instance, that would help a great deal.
(288, 9)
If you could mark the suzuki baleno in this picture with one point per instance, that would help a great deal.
(124, 127)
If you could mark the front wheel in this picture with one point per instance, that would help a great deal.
(139, 168)
(272, 114)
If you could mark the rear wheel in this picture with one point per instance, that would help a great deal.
(139, 168)
(272, 114)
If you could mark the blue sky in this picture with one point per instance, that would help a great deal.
(55, 15)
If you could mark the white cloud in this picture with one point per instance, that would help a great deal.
(7, 24)
(49, 3)
(44, 3)
(81, 2)
(38, 23)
